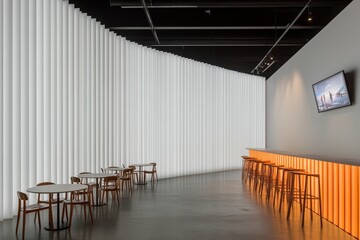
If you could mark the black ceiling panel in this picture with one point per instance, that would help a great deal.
(233, 34)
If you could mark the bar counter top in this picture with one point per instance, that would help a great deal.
(346, 161)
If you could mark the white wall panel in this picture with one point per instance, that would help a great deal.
(76, 97)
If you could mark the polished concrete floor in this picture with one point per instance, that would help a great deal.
(208, 206)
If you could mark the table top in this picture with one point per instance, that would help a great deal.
(141, 164)
(114, 169)
(96, 175)
(57, 188)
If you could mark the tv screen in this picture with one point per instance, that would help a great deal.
(331, 93)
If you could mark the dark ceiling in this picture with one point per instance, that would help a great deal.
(234, 35)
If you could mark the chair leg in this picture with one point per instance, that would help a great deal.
(321, 223)
(39, 219)
(18, 220)
(85, 211)
(71, 214)
(63, 212)
(24, 222)
(90, 212)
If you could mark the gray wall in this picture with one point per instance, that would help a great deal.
(293, 123)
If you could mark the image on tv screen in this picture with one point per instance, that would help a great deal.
(331, 93)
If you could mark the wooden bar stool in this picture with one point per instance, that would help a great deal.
(250, 170)
(310, 194)
(245, 167)
(274, 181)
(296, 189)
(257, 173)
(285, 184)
(279, 182)
(265, 176)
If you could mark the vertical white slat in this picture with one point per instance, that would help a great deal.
(111, 100)
(101, 104)
(54, 16)
(82, 90)
(58, 177)
(64, 175)
(70, 96)
(99, 79)
(77, 94)
(123, 133)
(24, 94)
(16, 107)
(7, 187)
(87, 104)
(94, 39)
(46, 91)
(106, 100)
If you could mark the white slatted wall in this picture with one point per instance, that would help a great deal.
(76, 97)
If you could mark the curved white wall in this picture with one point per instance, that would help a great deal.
(76, 97)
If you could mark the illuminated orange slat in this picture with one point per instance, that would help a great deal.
(324, 188)
(336, 194)
(342, 196)
(355, 201)
(330, 192)
(347, 216)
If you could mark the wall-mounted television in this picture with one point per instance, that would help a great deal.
(331, 93)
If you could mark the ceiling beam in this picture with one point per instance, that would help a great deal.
(223, 4)
(280, 38)
(215, 28)
(148, 17)
(221, 44)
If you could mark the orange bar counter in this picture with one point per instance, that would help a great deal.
(339, 181)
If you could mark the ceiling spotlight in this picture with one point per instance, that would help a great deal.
(309, 16)
(208, 11)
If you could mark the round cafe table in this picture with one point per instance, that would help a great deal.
(97, 176)
(56, 189)
(141, 171)
(114, 169)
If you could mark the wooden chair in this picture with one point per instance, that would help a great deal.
(91, 184)
(153, 173)
(22, 197)
(134, 174)
(126, 178)
(51, 201)
(81, 198)
(110, 185)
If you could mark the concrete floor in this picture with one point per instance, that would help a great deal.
(208, 206)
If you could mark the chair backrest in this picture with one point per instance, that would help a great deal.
(132, 167)
(154, 166)
(127, 172)
(22, 196)
(75, 180)
(45, 183)
(110, 180)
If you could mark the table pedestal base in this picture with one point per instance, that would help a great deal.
(60, 227)
(141, 183)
